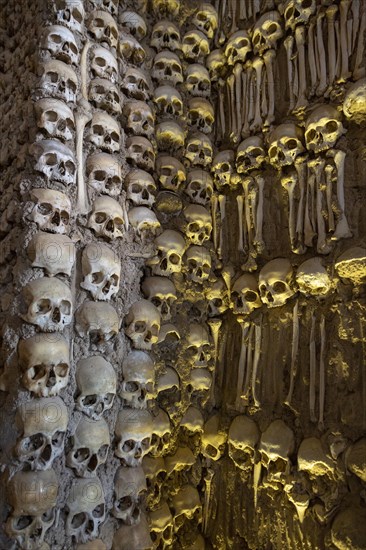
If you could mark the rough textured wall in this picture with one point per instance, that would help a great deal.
(183, 361)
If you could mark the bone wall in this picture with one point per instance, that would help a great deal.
(183, 267)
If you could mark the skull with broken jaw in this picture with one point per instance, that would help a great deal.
(216, 64)
(143, 324)
(199, 150)
(86, 509)
(97, 385)
(191, 429)
(276, 282)
(243, 438)
(298, 12)
(315, 462)
(140, 153)
(145, 223)
(162, 293)
(139, 119)
(45, 368)
(136, 84)
(251, 155)
(43, 424)
(217, 297)
(70, 13)
(186, 505)
(134, 430)
(179, 466)
(105, 132)
(313, 279)
(61, 44)
(275, 448)
(90, 446)
(201, 115)
(49, 304)
(103, 28)
(101, 270)
(51, 211)
(161, 527)
(55, 160)
(130, 50)
(213, 439)
(141, 188)
(166, 35)
(104, 94)
(223, 168)
(238, 47)
(129, 490)
(58, 80)
(197, 264)
(55, 119)
(199, 186)
(285, 145)
(195, 46)
(171, 172)
(197, 81)
(245, 295)
(198, 386)
(267, 32)
(323, 128)
(198, 224)
(97, 320)
(104, 174)
(161, 441)
(168, 388)
(106, 219)
(155, 474)
(138, 386)
(206, 19)
(198, 346)
(170, 247)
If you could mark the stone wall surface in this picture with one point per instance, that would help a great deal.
(182, 266)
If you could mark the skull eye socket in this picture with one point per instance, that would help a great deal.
(100, 61)
(98, 511)
(51, 116)
(145, 443)
(140, 326)
(125, 503)
(97, 277)
(311, 134)
(78, 520)
(45, 208)
(279, 287)
(272, 28)
(50, 159)
(174, 259)
(272, 152)
(98, 22)
(291, 144)
(128, 446)
(211, 451)
(100, 217)
(37, 372)
(43, 306)
(53, 77)
(194, 227)
(99, 175)
(331, 126)
(65, 307)
(132, 387)
(250, 296)
(61, 370)
(136, 188)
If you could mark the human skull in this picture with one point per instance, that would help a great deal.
(166, 36)
(237, 48)
(103, 64)
(51, 211)
(49, 304)
(105, 132)
(129, 490)
(54, 253)
(166, 8)
(195, 46)
(144, 222)
(55, 160)
(155, 473)
(245, 295)
(285, 145)
(161, 526)
(133, 22)
(131, 50)
(223, 168)
(140, 153)
(298, 12)
(168, 388)
(106, 219)
(354, 104)
(213, 439)
(168, 101)
(97, 385)
(198, 346)
(243, 438)
(141, 188)
(136, 84)
(267, 32)
(139, 119)
(201, 115)
(167, 68)
(104, 94)
(104, 174)
(313, 279)
(186, 505)
(191, 429)
(138, 384)
(90, 446)
(276, 445)
(179, 466)
(198, 386)
(351, 265)
(103, 28)
(312, 459)
(197, 264)
(45, 368)
(170, 247)
(217, 297)
(161, 440)
(98, 320)
(171, 172)
(198, 224)
(143, 324)
(43, 424)
(70, 13)
(33, 497)
(134, 430)
(355, 459)
(101, 271)
(216, 64)
(323, 128)
(197, 81)
(59, 81)
(199, 186)
(86, 509)
(250, 155)
(55, 119)
(170, 136)
(61, 44)
(133, 536)
(199, 150)
(110, 5)
(206, 19)
(276, 284)
(162, 293)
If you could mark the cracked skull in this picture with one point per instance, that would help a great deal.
(53, 253)
(198, 224)
(130, 49)
(90, 446)
(138, 380)
(134, 23)
(49, 304)
(144, 222)
(134, 430)
(97, 385)
(313, 279)
(107, 218)
(143, 324)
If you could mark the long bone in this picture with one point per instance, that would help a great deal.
(257, 122)
(238, 70)
(331, 13)
(345, 73)
(251, 92)
(342, 230)
(360, 71)
(231, 96)
(215, 325)
(84, 70)
(258, 237)
(355, 8)
(322, 62)
(329, 171)
(312, 351)
(310, 209)
(249, 370)
(242, 366)
(339, 53)
(349, 33)
(214, 202)
(82, 117)
(240, 202)
(269, 57)
(321, 374)
(222, 207)
(208, 498)
(264, 102)
(249, 186)
(243, 10)
(256, 7)
(312, 59)
(257, 353)
(300, 45)
(233, 8)
(244, 104)
(289, 45)
(289, 182)
(317, 165)
(301, 170)
(294, 352)
(222, 110)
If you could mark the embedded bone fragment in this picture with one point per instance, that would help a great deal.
(242, 365)
(342, 230)
(359, 70)
(321, 374)
(352, 265)
(331, 13)
(321, 59)
(256, 358)
(289, 45)
(257, 64)
(312, 59)
(222, 205)
(354, 104)
(300, 46)
(343, 9)
(313, 279)
(269, 58)
(208, 496)
(294, 352)
(240, 203)
(312, 377)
